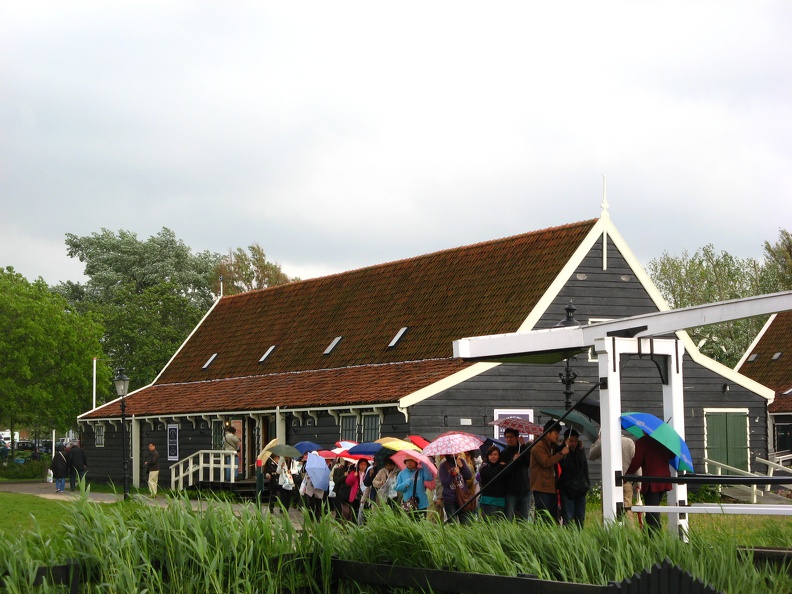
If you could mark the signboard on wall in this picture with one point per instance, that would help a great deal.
(173, 442)
(502, 413)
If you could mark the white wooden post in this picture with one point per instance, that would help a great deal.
(674, 414)
(610, 434)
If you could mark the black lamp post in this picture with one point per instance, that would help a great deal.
(568, 377)
(122, 386)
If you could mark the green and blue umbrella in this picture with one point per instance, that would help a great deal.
(640, 424)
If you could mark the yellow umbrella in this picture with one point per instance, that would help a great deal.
(398, 444)
(265, 453)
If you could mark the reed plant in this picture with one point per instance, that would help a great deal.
(216, 547)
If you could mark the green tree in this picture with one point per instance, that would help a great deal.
(709, 276)
(779, 259)
(149, 295)
(47, 349)
(241, 272)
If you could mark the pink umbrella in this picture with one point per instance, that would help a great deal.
(521, 425)
(398, 458)
(453, 443)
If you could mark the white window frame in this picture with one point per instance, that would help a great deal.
(344, 437)
(500, 413)
(99, 436)
(363, 430)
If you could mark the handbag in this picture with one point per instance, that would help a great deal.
(462, 494)
(411, 504)
(49, 475)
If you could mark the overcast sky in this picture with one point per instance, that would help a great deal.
(344, 134)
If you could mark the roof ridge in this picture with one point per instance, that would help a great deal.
(294, 284)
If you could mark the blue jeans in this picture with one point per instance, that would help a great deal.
(546, 506)
(518, 506)
(574, 510)
(452, 507)
(60, 484)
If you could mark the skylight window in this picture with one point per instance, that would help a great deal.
(267, 354)
(753, 357)
(397, 338)
(209, 362)
(776, 356)
(333, 344)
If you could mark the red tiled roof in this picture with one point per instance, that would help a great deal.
(776, 373)
(366, 384)
(480, 289)
(487, 288)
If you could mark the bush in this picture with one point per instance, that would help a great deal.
(30, 470)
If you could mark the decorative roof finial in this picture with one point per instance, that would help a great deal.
(604, 205)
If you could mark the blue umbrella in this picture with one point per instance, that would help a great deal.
(366, 448)
(307, 446)
(489, 442)
(317, 469)
(640, 424)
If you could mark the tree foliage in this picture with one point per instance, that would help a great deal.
(241, 272)
(148, 294)
(708, 276)
(779, 259)
(47, 349)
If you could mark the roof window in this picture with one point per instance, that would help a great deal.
(209, 362)
(333, 344)
(753, 357)
(776, 356)
(397, 338)
(267, 354)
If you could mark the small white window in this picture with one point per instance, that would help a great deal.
(333, 344)
(209, 362)
(267, 354)
(753, 357)
(371, 427)
(776, 356)
(348, 428)
(397, 338)
(99, 436)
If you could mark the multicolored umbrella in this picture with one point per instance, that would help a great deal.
(521, 425)
(453, 443)
(266, 452)
(398, 458)
(640, 424)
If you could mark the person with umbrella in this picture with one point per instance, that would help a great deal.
(271, 475)
(516, 478)
(544, 457)
(411, 483)
(384, 483)
(493, 499)
(574, 481)
(454, 473)
(653, 459)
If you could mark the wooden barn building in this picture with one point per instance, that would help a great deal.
(368, 353)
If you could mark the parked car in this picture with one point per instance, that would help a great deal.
(25, 444)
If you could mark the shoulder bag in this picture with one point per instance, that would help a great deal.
(411, 504)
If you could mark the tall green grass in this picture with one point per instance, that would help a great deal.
(221, 548)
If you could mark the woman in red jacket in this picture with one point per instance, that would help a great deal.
(653, 459)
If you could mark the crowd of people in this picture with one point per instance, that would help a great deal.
(548, 481)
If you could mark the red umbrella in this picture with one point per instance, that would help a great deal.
(418, 440)
(399, 457)
(521, 425)
(453, 443)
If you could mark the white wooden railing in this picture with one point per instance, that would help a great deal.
(720, 467)
(204, 466)
(772, 467)
(781, 457)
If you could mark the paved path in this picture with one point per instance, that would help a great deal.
(47, 491)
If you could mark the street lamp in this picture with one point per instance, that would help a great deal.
(568, 377)
(122, 386)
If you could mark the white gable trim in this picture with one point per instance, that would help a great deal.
(445, 384)
(756, 340)
(186, 340)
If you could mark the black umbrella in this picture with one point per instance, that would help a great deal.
(590, 407)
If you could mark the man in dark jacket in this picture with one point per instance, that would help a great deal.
(78, 464)
(153, 468)
(516, 477)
